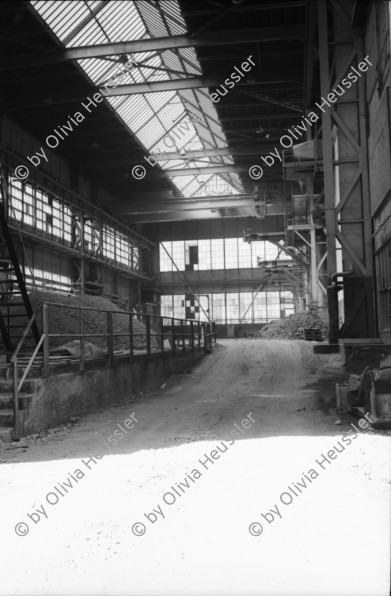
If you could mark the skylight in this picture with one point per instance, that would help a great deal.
(163, 122)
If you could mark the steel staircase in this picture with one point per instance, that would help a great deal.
(7, 401)
(15, 306)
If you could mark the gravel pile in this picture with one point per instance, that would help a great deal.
(293, 326)
(67, 320)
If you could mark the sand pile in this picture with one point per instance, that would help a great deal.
(67, 320)
(293, 326)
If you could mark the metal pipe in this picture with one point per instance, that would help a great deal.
(334, 276)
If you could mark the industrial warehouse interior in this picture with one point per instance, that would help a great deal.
(195, 297)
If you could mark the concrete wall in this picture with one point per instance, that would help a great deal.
(74, 393)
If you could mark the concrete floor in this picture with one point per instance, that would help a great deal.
(150, 518)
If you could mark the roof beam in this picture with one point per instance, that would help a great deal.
(81, 94)
(263, 117)
(112, 160)
(249, 150)
(185, 216)
(210, 39)
(189, 204)
(207, 170)
(278, 51)
(250, 8)
(197, 83)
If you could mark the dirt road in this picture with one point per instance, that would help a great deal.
(220, 482)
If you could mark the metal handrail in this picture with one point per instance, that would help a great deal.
(21, 341)
(27, 369)
(16, 433)
(178, 333)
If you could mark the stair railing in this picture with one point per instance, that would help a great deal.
(14, 257)
(17, 385)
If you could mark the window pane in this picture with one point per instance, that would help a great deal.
(217, 248)
(231, 253)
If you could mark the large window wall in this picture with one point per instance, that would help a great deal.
(234, 307)
(48, 216)
(221, 253)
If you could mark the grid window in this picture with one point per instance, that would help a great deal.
(217, 253)
(87, 236)
(165, 263)
(244, 254)
(166, 306)
(135, 256)
(179, 307)
(271, 251)
(191, 254)
(203, 303)
(178, 256)
(260, 308)
(257, 251)
(232, 307)
(218, 308)
(122, 249)
(47, 215)
(204, 255)
(273, 305)
(231, 253)
(108, 243)
(246, 309)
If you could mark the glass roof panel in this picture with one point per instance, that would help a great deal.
(154, 117)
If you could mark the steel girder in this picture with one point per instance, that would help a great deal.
(346, 178)
(156, 44)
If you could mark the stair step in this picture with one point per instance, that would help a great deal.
(7, 401)
(6, 417)
(29, 385)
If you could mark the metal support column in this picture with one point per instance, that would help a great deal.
(313, 268)
(331, 227)
(345, 155)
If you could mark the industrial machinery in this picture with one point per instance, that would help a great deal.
(370, 393)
